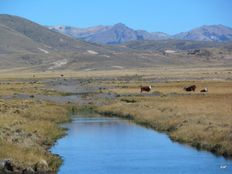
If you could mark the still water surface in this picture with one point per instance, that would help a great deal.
(115, 146)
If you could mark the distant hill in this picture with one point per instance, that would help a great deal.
(29, 46)
(25, 43)
(181, 45)
(120, 33)
(207, 33)
(41, 35)
(79, 33)
(186, 50)
(116, 34)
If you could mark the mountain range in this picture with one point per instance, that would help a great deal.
(116, 34)
(120, 33)
(26, 45)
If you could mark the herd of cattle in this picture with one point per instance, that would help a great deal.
(188, 88)
(193, 88)
(148, 88)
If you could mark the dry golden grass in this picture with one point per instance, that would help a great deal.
(11, 88)
(217, 72)
(28, 127)
(201, 120)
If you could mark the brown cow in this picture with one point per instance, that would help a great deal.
(190, 88)
(145, 88)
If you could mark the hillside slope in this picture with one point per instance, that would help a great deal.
(30, 46)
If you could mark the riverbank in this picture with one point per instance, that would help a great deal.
(28, 128)
(202, 120)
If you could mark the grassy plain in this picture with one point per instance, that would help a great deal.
(202, 120)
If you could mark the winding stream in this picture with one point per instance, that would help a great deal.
(115, 146)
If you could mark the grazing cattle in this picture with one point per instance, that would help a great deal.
(190, 88)
(145, 88)
(204, 90)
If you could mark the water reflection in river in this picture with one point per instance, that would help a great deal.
(114, 146)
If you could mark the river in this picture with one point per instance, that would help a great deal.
(116, 146)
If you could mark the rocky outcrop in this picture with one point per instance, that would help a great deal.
(7, 167)
(28, 170)
(41, 166)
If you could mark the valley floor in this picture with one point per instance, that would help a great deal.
(202, 120)
(32, 105)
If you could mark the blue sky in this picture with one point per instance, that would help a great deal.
(170, 16)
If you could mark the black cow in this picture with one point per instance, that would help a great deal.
(145, 88)
(190, 88)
